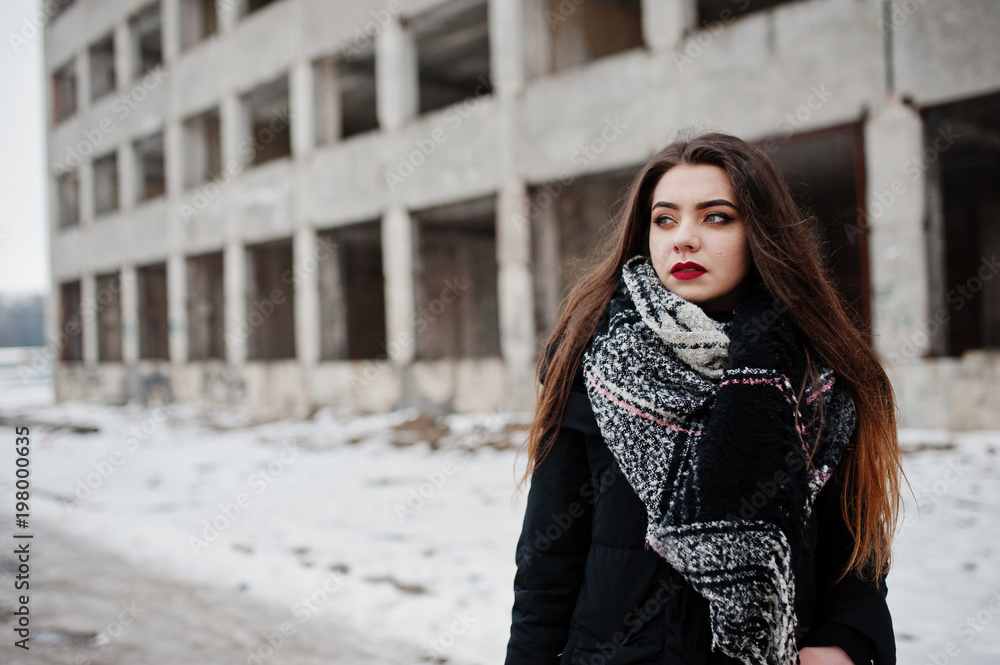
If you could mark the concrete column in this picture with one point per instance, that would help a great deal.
(50, 357)
(170, 21)
(396, 82)
(88, 316)
(86, 184)
(305, 264)
(124, 57)
(546, 254)
(507, 45)
(519, 44)
(302, 108)
(936, 272)
(173, 156)
(128, 185)
(537, 39)
(327, 109)
(234, 279)
(665, 22)
(515, 292)
(130, 314)
(82, 67)
(897, 242)
(230, 12)
(234, 129)
(177, 308)
(397, 262)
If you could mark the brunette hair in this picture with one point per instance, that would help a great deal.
(786, 258)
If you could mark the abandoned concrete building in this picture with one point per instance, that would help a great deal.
(380, 203)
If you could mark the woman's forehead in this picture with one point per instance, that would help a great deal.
(686, 183)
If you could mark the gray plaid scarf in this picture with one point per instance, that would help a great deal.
(700, 417)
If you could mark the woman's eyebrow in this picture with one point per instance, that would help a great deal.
(700, 206)
(713, 203)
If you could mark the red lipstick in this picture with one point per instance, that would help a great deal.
(687, 270)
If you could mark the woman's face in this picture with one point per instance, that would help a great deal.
(697, 237)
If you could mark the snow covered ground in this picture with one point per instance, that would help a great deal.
(404, 530)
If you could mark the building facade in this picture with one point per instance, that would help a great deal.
(380, 203)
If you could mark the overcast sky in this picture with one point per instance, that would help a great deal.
(24, 257)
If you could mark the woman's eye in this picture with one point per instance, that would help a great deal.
(661, 220)
(717, 217)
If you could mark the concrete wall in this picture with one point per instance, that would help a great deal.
(795, 68)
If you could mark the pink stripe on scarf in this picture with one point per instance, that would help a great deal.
(779, 383)
(636, 410)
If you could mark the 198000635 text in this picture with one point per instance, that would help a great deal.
(22, 546)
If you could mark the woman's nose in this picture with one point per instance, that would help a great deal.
(686, 238)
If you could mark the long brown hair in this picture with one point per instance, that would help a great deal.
(786, 258)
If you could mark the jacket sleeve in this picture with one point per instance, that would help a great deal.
(851, 614)
(551, 551)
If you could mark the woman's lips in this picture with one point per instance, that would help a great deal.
(687, 270)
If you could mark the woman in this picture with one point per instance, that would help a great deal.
(714, 458)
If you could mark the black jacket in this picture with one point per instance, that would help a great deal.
(588, 591)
